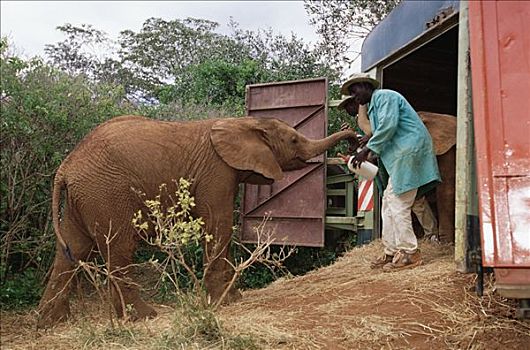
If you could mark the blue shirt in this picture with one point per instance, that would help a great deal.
(402, 142)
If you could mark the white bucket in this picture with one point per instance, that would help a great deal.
(366, 169)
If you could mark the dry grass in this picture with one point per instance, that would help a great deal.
(343, 306)
(349, 306)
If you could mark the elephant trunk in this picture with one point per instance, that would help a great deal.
(316, 147)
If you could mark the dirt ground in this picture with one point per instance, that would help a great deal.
(342, 306)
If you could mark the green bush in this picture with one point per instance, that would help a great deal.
(22, 290)
(45, 113)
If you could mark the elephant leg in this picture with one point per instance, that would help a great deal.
(218, 270)
(217, 215)
(445, 196)
(125, 293)
(54, 305)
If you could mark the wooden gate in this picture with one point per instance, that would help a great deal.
(295, 206)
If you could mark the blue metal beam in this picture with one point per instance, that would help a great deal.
(407, 21)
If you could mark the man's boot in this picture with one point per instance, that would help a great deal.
(381, 261)
(403, 261)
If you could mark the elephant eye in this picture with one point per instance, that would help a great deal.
(294, 139)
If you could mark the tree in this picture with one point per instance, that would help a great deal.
(159, 53)
(171, 60)
(341, 24)
(77, 54)
(261, 56)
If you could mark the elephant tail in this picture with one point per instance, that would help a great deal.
(58, 186)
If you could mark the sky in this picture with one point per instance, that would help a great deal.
(31, 24)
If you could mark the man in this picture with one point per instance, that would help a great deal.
(405, 149)
(359, 113)
(362, 127)
(421, 207)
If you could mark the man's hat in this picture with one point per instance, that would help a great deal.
(358, 78)
(344, 102)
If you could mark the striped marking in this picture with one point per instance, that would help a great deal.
(365, 199)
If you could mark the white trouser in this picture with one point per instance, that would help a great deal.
(397, 221)
(423, 212)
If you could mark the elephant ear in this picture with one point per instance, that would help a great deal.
(442, 128)
(241, 143)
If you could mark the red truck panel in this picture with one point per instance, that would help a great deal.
(500, 63)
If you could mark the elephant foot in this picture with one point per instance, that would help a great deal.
(135, 311)
(51, 313)
(446, 236)
(431, 238)
(233, 295)
(142, 312)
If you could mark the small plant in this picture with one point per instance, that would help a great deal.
(174, 231)
(167, 224)
(196, 326)
(262, 253)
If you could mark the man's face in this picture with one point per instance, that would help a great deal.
(360, 93)
(352, 107)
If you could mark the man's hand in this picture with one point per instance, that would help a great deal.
(345, 158)
(372, 158)
(360, 157)
(344, 126)
(363, 140)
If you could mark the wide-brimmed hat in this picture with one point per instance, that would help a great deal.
(358, 78)
(344, 102)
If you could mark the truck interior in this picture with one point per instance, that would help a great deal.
(427, 76)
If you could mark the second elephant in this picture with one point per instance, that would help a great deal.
(442, 128)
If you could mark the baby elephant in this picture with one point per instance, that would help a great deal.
(131, 152)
